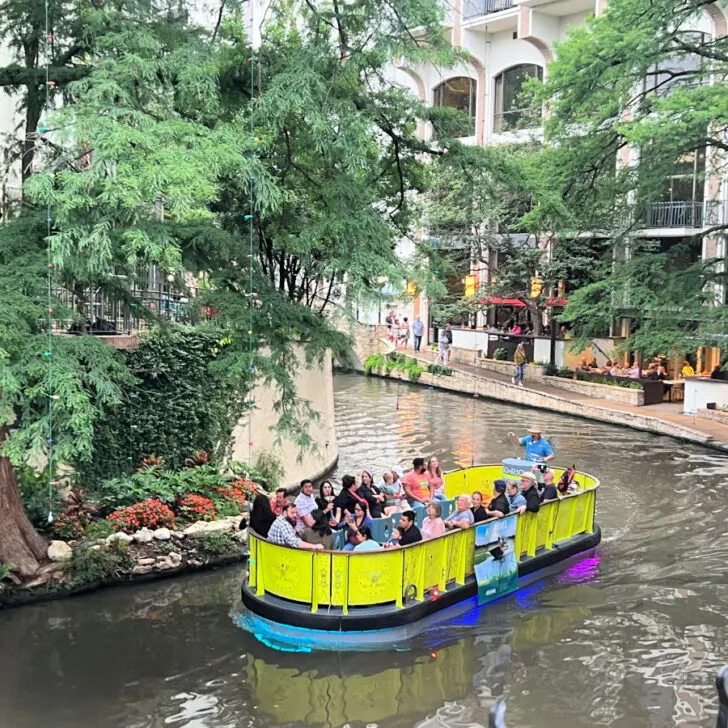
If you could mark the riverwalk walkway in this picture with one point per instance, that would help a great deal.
(664, 419)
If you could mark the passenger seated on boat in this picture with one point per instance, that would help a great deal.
(353, 523)
(433, 525)
(477, 508)
(409, 531)
(548, 491)
(305, 505)
(365, 540)
(516, 502)
(498, 506)
(373, 496)
(325, 501)
(417, 485)
(529, 490)
(394, 537)
(463, 516)
(391, 486)
(320, 531)
(280, 500)
(282, 533)
(434, 476)
(261, 515)
(346, 500)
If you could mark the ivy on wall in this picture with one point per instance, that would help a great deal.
(178, 406)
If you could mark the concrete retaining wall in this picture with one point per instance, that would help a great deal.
(533, 371)
(315, 385)
(613, 393)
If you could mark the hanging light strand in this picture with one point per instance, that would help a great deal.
(48, 354)
(251, 212)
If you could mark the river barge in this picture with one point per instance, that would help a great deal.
(318, 599)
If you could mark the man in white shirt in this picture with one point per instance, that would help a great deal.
(305, 503)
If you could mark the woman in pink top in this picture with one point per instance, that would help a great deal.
(435, 479)
(433, 526)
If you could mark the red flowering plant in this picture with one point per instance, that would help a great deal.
(197, 508)
(69, 526)
(150, 513)
(239, 491)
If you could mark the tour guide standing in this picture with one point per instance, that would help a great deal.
(538, 450)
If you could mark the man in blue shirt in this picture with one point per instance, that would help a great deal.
(418, 329)
(537, 449)
(516, 502)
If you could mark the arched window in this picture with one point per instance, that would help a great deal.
(508, 87)
(458, 93)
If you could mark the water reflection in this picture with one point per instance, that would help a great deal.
(630, 637)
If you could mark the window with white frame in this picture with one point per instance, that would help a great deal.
(510, 109)
(458, 93)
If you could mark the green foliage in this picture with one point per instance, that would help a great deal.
(5, 571)
(394, 361)
(87, 375)
(180, 403)
(89, 566)
(34, 493)
(439, 370)
(217, 544)
(267, 472)
(373, 363)
(619, 84)
(97, 530)
(500, 354)
(156, 482)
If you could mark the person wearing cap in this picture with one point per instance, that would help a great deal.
(529, 490)
(498, 507)
(538, 450)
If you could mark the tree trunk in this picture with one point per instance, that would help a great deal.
(20, 544)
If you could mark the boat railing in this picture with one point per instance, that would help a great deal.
(346, 579)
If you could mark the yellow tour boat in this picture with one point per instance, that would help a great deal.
(303, 600)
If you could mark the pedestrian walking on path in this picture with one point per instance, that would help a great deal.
(418, 329)
(520, 359)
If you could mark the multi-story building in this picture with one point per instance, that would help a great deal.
(508, 41)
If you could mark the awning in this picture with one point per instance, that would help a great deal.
(494, 300)
(556, 301)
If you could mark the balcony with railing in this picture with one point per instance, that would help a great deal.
(692, 214)
(475, 8)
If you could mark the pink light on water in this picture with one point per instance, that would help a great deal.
(585, 572)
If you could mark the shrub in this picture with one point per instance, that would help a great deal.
(88, 565)
(98, 529)
(373, 363)
(239, 492)
(500, 354)
(69, 526)
(216, 544)
(157, 483)
(439, 370)
(5, 570)
(197, 508)
(150, 513)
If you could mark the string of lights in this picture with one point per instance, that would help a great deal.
(48, 354)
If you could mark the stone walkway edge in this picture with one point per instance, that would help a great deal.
(491, 386)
